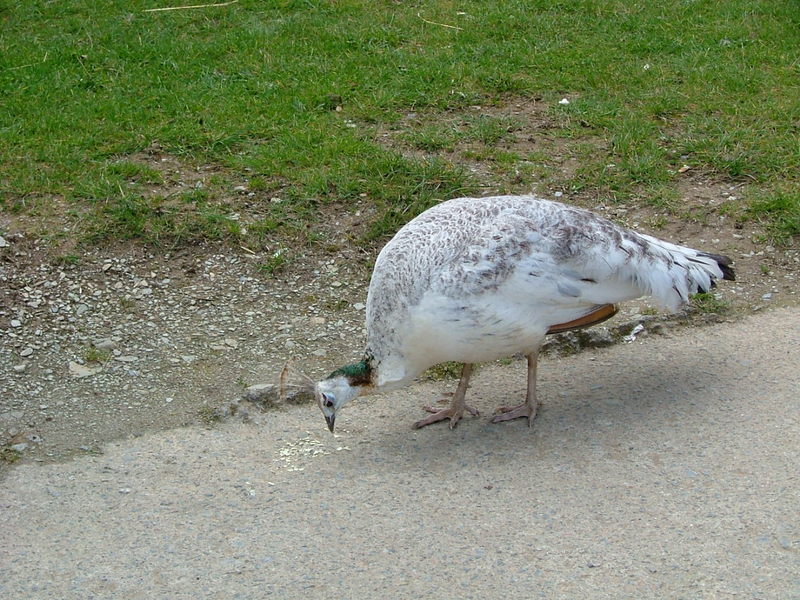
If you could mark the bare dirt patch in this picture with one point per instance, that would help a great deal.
(512, 147)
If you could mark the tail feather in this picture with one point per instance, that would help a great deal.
(675, 272)
(724, 263)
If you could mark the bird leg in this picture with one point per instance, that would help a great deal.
(455, 411)
(527, 408)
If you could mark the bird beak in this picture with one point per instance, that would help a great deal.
(329, 421)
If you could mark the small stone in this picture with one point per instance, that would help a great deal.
(320, 352)
(188, 358)
(21, 447)
(20, 368)
(261, 393)
(600, 337)
(230, 342)
(168, 400)
(564, 101)
(766, 297)
(81, 309)
(240, 188)
(16, 323)
(11, 417)
(105, 344)
(124, 490)
(26, 352)
(359, 306)
(126, 358)
(558, 194)
(299, 396)
(79, 370)
(3, 242)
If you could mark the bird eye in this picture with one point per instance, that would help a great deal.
(327, 401)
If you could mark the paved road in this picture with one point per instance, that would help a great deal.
(665, 468)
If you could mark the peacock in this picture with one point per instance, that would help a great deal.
(471, 280)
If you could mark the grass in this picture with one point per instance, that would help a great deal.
(8, 455)
(292, 96)
(708, 303)
(781, 211)
(95, 355)
(209, 416)
(444, 371)
(276, 262)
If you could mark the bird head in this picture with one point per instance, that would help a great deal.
(340, 387)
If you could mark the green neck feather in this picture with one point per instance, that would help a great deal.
(359, 373)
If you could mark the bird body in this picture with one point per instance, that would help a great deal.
(475, 279)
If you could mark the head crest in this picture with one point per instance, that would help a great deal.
(293, 380)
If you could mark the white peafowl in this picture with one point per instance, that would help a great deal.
(476, 279)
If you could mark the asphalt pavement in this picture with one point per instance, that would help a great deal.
(662, 468)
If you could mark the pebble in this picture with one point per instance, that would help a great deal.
(766, 297)
(105, 344)
(3, 242)
(26, 352)
(78, 370)
(16, 323)
(81, 309)
(20, 368)
(261, 393)
(21, 447)
(126, 358)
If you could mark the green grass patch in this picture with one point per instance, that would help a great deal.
(96, 355)
(444, 371)
(295, 95)
(8, 455)
(709, 303)
(276, 263)
(781, 211)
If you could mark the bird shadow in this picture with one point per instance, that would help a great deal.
(587, 407)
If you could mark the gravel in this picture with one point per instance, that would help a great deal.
(103, 341)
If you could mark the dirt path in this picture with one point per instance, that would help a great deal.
(110, 343)
(662, 468)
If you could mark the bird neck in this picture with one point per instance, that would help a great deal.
(358, 375)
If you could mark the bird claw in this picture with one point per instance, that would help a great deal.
(509, 413)
(442, 414)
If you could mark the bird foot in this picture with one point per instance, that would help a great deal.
(454, 414)
(509, 413)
